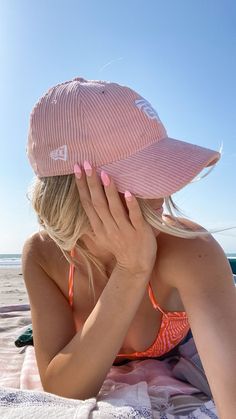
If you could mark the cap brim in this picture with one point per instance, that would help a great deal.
(160, 169)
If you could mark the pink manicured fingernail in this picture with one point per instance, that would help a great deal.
(128, 196)
(105, 178)
(77, 171)
(87, 168)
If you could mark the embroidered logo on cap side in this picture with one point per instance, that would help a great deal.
(60, 153)
(147, 108)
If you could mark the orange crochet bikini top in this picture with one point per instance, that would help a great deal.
(174, 326)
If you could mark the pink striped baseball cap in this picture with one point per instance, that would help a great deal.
(116, 130)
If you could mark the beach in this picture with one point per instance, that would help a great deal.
(12, 288)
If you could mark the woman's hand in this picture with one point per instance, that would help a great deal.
(126, 235)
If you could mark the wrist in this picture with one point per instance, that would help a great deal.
(134, 274)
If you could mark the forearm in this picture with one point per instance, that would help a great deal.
(79, 369)
(201, 273)
(216, 348)
(212, 313)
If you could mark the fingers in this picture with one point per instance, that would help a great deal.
(86, 200)
(117, 203)
(135, 213)
(95, 201)
(123, 219)
(103, 204)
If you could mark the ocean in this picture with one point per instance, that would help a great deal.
(10, 260)
(13, 260)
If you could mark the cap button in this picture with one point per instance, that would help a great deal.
(81, 79)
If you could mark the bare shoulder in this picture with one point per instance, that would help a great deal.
(200, 257)
(184, 222)
(35, 239)
(31, 248)
(42, 248)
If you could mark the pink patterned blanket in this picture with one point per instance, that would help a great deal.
(171, 388)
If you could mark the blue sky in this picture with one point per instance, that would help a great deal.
(179, 55)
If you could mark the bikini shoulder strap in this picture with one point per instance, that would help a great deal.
(71, 278)
(153, 300)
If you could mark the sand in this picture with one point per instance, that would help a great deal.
(12, 287)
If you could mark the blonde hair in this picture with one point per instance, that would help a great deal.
(59, 211)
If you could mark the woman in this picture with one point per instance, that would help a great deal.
(153, 277)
